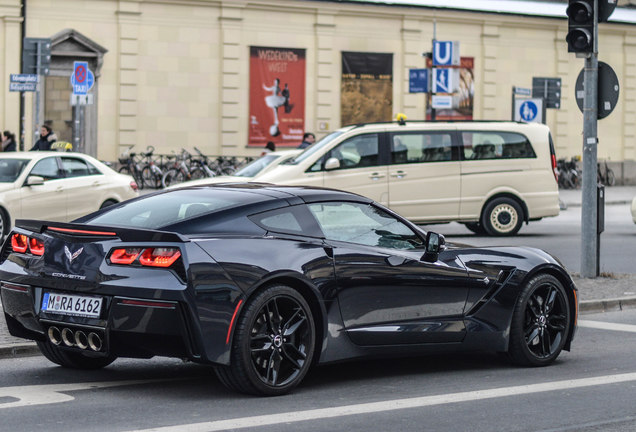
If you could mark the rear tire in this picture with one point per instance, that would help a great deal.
(475, 227)
(273, 344)
(72, 360)
(502, 217)
(107, 203)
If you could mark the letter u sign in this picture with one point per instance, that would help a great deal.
(445, 53)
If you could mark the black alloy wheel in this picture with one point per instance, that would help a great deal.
(274, 343)
(541, 322)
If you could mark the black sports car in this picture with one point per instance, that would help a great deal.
(264, 281)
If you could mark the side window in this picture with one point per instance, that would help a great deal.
(357, 152)
(47, 168)
(77, 167)
(421, 147)
(363, 224)
(282, 221)
(496, 145)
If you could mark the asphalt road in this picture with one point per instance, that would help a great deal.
(591, 388)
(561, 236)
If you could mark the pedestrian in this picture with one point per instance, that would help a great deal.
(308, 139)
(47, 137)
(269, 147)
(8, 141)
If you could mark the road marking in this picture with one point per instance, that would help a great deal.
(607, 326)
(54, 393)
(391, 405)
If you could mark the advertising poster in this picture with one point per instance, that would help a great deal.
(277, 96)
(367, 88)
(462, 100)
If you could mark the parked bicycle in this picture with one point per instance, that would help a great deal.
(131, 165)
(151, 173)
(605, 175)
(569, 174)
(182, 170)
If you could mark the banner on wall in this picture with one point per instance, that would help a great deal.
(367, 88)
(277, 96)
(461, 107)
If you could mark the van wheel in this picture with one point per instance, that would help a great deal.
(502, 217)
(475, 227)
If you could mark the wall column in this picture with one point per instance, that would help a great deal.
(128, 19)
(628, 94)
(560, 131)
(491, 99)
(232, 53)
(10, 64)
(327, 75)
(412, 104)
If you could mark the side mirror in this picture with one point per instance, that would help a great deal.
(332, 164)
(34, 180)
(434, 245)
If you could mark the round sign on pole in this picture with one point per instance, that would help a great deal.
(608, 90)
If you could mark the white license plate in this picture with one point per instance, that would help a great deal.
(66, 304)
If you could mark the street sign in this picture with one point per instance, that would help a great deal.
(418, 80)
(82, 79)
(529, 110)
(445, 53)
(549, 89)
(24, 78)
(23, 87)
(36, 51)
(77, 99)
(445, 80)
(608, 90)
(521, 91)
(442, 102)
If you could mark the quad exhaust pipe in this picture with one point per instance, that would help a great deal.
(78, 338)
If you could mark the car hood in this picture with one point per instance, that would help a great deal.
(7, 186)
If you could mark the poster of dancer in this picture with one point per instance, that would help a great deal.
(277, 96)
(367, 88)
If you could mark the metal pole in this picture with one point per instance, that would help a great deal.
(37, 92)
(433, 116)
(589, 210)
(76, 125)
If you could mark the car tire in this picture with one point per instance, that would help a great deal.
(475, 227)
(5, 224)
(502, 217)
(274, 343)
(108, 203)
(540, 323)
(72, 360)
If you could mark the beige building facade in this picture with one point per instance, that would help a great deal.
(176, 73)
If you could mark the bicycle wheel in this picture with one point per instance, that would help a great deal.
(169, 177)
(197, 173)
(610, 178)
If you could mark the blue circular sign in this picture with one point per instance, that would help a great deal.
(528, 111)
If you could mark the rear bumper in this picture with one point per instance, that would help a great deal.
(127, 327)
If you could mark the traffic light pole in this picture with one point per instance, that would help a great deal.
(590, 240)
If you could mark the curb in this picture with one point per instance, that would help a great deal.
(609, 305)
(27, 349)
(578, 204)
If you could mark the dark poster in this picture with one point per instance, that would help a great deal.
(277, 96)
(367, 88)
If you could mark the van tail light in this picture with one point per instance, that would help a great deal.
(159, 257)
(36, 246)
(555, 171)
(125, 256)
(19, 243)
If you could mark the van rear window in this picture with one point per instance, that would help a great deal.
(496, 145)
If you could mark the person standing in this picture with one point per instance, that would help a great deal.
(8, 141)
(269, 147)
(47, 137)
(308, 139)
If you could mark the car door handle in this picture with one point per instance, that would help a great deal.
(400, 174)
(376, 176)
(95, 184)
(59, 189)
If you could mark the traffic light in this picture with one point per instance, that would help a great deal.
(580, 36)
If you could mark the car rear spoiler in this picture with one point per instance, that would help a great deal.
(82, 230)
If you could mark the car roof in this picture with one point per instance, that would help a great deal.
(37, 154)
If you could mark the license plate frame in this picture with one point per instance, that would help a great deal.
(72, 305)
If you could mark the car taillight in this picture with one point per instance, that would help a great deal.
(19, 243)
(151, 257)
(125, 256)
(36, 246)
(133, 186)
(159, 257)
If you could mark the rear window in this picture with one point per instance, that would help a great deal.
(10, 169)
(496, 145)
(156, 211)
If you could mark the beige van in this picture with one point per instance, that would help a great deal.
(492, 176)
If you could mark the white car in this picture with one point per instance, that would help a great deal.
(634, 209)
(259, 166)
(57, 186)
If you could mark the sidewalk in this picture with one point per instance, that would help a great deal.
(613, 292)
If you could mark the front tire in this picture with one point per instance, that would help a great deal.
(273, 344)
(72, 360)
(540, 323)
(502, 217)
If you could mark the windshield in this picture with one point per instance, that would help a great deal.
(254, 167)
(315, 148)
(10, 169)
